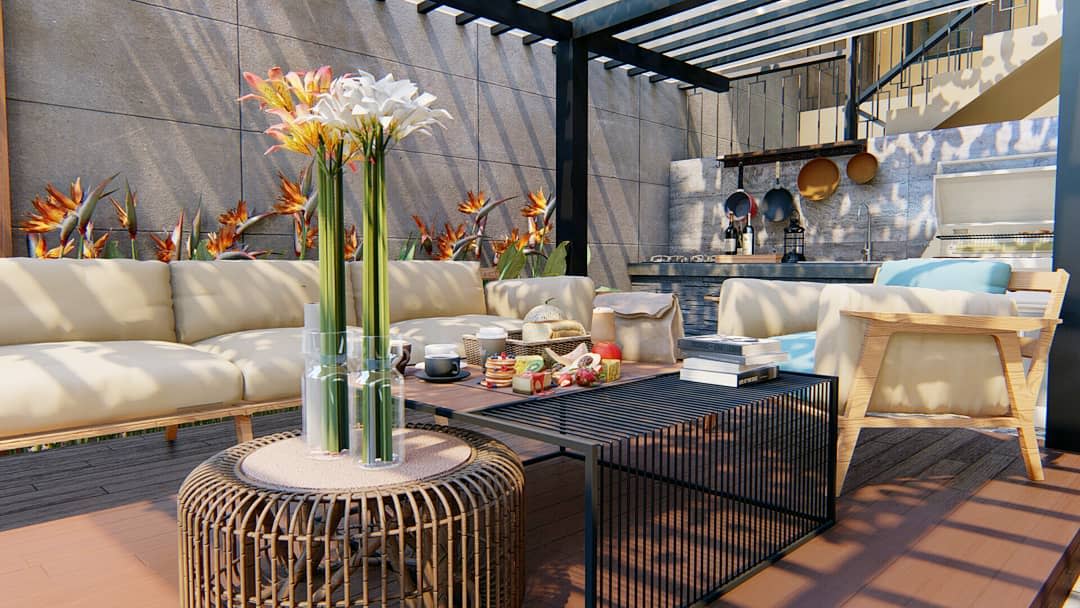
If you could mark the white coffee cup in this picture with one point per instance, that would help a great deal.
(440, 349)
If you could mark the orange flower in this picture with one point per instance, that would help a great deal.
(426, 234)
(444, 243)
(40, 248)
(539, 234)
(236, 216)
(221, 241)
(289, 97)
(291, 197)
(93, 249)
(513, 239)
(165, 249)
(352, 243)
(48, 217)
(537, 205)
(473, 203)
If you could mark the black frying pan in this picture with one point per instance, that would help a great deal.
(778, 202)
(739, 203)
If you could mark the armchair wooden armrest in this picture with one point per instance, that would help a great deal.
(966, 324)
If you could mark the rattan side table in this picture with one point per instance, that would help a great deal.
(453, 538)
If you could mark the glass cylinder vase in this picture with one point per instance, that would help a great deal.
(325, 368)
(376, 402)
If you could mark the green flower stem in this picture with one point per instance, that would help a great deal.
(332, 299)
(378, 423)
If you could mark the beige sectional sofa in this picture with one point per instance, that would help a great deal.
(89, 347)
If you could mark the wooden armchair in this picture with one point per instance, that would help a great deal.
(1012, 347)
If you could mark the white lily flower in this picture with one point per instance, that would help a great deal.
(357, 104)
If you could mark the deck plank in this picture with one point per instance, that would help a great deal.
(929, 518)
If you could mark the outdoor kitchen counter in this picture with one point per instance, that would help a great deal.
(692, 281)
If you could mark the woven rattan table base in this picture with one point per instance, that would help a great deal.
(454, 539)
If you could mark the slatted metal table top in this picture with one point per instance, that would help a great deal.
(689, 488)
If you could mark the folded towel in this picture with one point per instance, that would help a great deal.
(637, 303)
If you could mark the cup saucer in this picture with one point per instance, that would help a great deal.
(443, 379)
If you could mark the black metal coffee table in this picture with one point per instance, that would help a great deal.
(689, 488)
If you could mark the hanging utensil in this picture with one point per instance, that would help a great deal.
(740, 203)
(778, 202)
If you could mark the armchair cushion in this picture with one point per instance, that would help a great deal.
(515, 297)
(800, 347)
(921, 373)
(57, 385)
(963, 275)
(761, 309)
(428, 288)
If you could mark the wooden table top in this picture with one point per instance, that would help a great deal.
(469, 395)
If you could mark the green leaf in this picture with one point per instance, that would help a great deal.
(556, 262)
(112, 250)
(408, 250)
(201, 252)
(196, 229)
(511, 263)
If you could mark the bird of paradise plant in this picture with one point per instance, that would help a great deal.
(39, 248)
(165, 248)
(64, 213)
(126, 215)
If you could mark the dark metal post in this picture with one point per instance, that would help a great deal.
(592, 524)
(851, 106)
(572, 151)
(1062, 415)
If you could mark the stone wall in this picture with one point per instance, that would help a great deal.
(900, 197)
(149, 88)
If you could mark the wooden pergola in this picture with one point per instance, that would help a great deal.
(698, 42)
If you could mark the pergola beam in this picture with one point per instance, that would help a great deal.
(426, 7)
(647, 60)
(511, 15)
(813, 37)
(692, 22)
(629, 14)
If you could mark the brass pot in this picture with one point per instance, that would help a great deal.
(862, 168)
(819, 179)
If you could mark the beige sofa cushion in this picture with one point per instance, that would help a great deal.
(227, 296)
(446, 330)
(428, 288)
(761, 309)
(927, 374)
(58, 385)
(56, 300)
(271, 360)
(515, 297)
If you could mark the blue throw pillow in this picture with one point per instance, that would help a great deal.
(964, 275)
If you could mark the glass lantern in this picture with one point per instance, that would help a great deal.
(794, 238)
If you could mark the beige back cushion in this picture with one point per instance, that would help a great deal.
(515, 297)
(221, 297)
(96, 300)
(420, 289)
(761, 309)
(921, 373)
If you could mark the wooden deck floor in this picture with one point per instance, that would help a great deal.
(929, 518)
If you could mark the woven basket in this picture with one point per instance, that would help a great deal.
(515, 347)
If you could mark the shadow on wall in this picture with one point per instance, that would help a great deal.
(900, 197)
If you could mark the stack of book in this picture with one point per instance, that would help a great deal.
(730, 360)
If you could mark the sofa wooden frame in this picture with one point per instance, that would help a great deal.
(1013, 348)
(240, 412)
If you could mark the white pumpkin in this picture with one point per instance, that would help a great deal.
(545, 312)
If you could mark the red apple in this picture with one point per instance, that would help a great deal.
(607, 350)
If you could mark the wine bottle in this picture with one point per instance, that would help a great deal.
(730, 236)
(748, 239)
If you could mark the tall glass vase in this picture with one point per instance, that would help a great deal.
(375, 312)
(323, 369)
(335, 394)
(376, 402)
